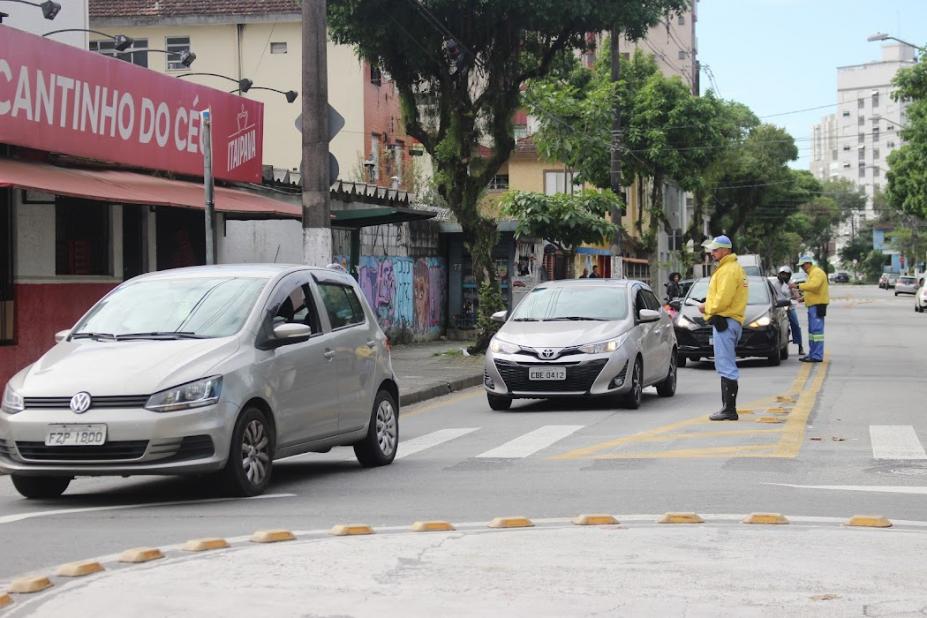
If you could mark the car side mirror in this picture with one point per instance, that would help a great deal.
(61, 335)
(648, 315)
(784, 303)
(499, 316)
(676, 304)
(286, 334)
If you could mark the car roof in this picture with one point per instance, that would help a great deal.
(567, 283)
(267, 271)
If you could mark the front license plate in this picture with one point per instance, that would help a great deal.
(547, 373)
(711, 341)
(75, 435)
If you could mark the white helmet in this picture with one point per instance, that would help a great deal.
(785, 269)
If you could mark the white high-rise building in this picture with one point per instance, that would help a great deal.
(855, 142)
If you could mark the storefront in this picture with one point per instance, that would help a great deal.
(100, 180)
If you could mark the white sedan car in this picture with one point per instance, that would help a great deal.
(920, 299)
(582, 338)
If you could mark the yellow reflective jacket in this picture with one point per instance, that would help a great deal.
(727, 290)
(816, 288)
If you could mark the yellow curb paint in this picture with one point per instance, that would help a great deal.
(272, 536)
(205, 544)
(79, 569)
(680, 518)
(597, 519)
(696, 435)
(5, 599)
(351, 530)
(766, 518)
(140, 554)
(28, 585)
(870, 521)
(793, 435)
(511, 522)
(770, 420)
(432, 526)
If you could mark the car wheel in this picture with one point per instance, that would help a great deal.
(667, 388)
(498, 402)
(632, 399)
(784, 352)
(774, 359)
(681, 360)
(896, 294)
(251, 453)
(378, 447)
(39, 487)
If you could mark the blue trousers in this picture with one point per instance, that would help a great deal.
(794, 326)
(815, 334)
(725, 344)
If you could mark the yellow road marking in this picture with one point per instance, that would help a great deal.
(746, 450)
(793, 435)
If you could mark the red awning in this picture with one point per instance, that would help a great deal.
(131, 188)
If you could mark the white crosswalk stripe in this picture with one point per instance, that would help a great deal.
(431, 440)
(895, 442)
(531, 442)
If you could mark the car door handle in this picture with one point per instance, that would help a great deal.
(329, 354)
(372, 343)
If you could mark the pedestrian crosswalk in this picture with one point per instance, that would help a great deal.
(531, 443)
(895, 442)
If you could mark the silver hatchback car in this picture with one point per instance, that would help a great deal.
(213, 369)
(581, 338)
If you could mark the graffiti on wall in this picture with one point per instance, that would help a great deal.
(407, 294)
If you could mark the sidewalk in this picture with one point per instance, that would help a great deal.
(427, 370)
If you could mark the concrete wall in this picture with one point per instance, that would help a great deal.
(270, 241)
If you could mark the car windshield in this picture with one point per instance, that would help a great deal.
(173, 308)
(595, 303)
(757, 293)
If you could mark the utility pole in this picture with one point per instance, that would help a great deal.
(615, 171)
(317, 235)
(209, 186)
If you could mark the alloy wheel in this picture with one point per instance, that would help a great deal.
(386, 427)
(255, 452)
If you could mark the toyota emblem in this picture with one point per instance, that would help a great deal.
(80, 403)
(548, 353)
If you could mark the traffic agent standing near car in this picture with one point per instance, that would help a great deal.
(724, 309)
(817, 297)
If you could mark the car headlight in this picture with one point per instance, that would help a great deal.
(684, 322)
(497, 345)
(601, 347)
(197, 394)
(760, 322)
(12, 401)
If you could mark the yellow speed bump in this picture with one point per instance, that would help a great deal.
(778, 410)
(79, 569)
(140, 554)
(272, 536)
(786, 398)
(5, 599)
(870, 521)
(511, 522)
(772, 420)
(205, 544)
(351, 529)
(680, 518)
(432, 526)
(744, 411)
(595, 519)
(766, 518)
(27, 585)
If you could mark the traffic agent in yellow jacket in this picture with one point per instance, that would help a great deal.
(815, 288)
(727, 291)
(817, 297)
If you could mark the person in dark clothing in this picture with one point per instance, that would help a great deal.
(595, 272)
(673, 289)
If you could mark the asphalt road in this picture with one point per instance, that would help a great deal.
(846, 438)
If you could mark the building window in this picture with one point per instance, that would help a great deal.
(833, 155)
(135, 57)
(558, 182)
(499, 182)
(6, 268)
(373, 163)
(681, 20)
(861, 138)
(875, 99)
(875, 135)
(682, 55)
(278, 47)
(890, 145)
(862, 154)
(875, 153)
(82, 237)
(846, 147)
(175, 46)
(376, 75)
(846, 114)
(860, 103)
(875, 171)
(861, 120)
(521, 131)
(862, 170)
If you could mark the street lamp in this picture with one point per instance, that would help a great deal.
(49, 9)
(121, 42)
(245, 84)
(881, 36)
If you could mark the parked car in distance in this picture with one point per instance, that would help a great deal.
(883, 281)
(920, 299)
(752, 264)
(765, 329)
(892, 279)
(905, 285)
(841, 277)
(205, 370)
(582, 338)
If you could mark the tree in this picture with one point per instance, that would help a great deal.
(562, 219)
(907, 174)
(854, 253)
(459, 68)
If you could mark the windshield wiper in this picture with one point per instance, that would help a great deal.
(169, 334)
(576, 318)
(97, 336)
(524, 319)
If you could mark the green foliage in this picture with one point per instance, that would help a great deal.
(872, 266)
(907, 174)
(855, 252)
(562, 219)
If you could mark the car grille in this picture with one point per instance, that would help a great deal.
(118, 401)
(563, 352)
(579, 376)
(37, 451)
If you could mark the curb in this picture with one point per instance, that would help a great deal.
(444, 388)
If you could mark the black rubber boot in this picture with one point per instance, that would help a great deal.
(729, 396)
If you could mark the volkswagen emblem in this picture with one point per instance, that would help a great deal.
(548, 353)
(80, 403)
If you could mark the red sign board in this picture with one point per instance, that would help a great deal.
(56, 98)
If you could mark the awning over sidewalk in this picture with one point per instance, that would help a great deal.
(131, 188)
(364, 217)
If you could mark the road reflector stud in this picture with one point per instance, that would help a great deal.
(432, 526)
(771, 420)
(79, 569)
(5, 599)
(272, 536)
(351, 530)
(140, 554)
(766, 518)
(205, 544)
(870, 521)
(596, 519)
(680, 518)
(28, 585)
(511, 522)
(744, 411)
(778, 410)
(785, 398)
